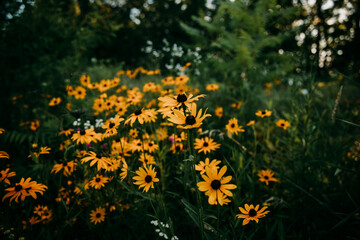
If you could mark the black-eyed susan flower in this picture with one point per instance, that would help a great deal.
(145, 178)
(121, 108)
(55, 101)
(267, 176)
(182, 79)
(86, 136)
(151, 146)
(206, 145)
(140, 115)
(99, 105)
(215, 184)
(111, 125)
(4, 154)
(66, 132)
(136, 145)
(177, 101)
(104, 85)
(79, 92)
(44, 150)
(201, 166)
(283, 124)
(23, 189)
(101, 161)
(98, 215)
(263, 113)
(147, 159)
(219, 111)
(5, 175)
(192, 120)
(251, 213)
(124, 170)
(85, 80)
(233, 127)
(99, 181)
(46, 216)
(34, 125)
(67, 167)
(212, 87)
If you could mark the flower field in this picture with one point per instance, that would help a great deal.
(180, 161)
(179, 120)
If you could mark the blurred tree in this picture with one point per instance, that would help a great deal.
(329, 36)
(244, 39)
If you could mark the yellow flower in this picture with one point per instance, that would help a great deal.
(206, 145)
(23, 189)
(5, 174)
(79, 92)
(192, 120)
(55, 101)
(99, 181)
(215, 185)
(267, 176)
(177, 101)
(98, 215)
(4, 154)
(147, 159)
(102, 162)
(219, 112)
(233, 127)
(111, 125)
(251, 213)
(85, 80)
(68, 168)
(201, 166)
(212, 87)
(264, 113)
(140, 115)
(145, 178)
(250, 123)
(124, 170)
(283, 124)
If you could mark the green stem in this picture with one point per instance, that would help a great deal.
(198, 198)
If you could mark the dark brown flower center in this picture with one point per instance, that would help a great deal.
(18, 188)
(190, 120)
(139, 144)
(282, 124)
(98, 156)
(205, 144)
(111, 125)
(138, 112)
(181, 98)
(266, 177)
(252, 213)
(82, 132)
(263, 112)
(97, 179)
(215, 184)
(98, 215)
(148, 179)
(150, 144)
